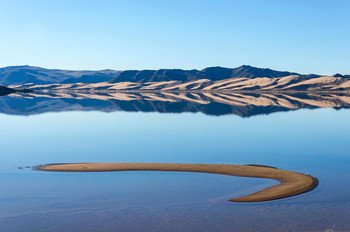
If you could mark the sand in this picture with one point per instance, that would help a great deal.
(291, 183)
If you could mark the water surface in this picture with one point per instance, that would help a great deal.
(313, 141)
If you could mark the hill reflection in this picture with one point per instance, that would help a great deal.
(210, 103)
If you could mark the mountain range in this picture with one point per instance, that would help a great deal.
(212, 74)
(243, 78)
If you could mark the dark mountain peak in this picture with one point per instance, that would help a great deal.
(254, 72)
(245, 66)
(217, 73)
(249, 68)
(217, 68)
(158, 75)
(338, 75)
(22, 67)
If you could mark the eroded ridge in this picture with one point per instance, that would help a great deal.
(291, 183)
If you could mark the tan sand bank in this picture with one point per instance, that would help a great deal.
(292, 183)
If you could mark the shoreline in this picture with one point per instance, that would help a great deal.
(291, 183)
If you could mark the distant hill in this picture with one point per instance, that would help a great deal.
(342, 76)
(212, 73)
(243, 78)
(28, 74)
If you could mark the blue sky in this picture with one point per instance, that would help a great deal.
(303, 36)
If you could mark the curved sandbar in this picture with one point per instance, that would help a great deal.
(291, 183)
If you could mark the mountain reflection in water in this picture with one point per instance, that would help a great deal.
(210, 103)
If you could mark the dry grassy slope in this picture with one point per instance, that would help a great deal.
(287, 101)
(291, 83)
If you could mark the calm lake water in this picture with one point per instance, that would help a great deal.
(38, 130)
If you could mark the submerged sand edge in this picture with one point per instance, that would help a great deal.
(291, 183)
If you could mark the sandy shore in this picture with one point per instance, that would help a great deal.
(291, 183)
